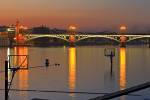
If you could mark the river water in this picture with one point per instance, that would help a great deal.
(83, 69)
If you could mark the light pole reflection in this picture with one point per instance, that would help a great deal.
(122, 80)
(72, 69)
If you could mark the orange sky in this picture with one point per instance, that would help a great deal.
(88, 15)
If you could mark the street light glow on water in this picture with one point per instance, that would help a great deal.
(83, 69)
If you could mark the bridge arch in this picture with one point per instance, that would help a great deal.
(35, 37)
(105, 37)
(136, 38)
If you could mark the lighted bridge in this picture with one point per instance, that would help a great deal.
(79, 37)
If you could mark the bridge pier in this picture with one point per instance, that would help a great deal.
(72, 40)
(123, 41)
(122, 44)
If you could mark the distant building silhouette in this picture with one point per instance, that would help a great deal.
(7, 29)
(46, 30)
(3, 28)
(40, 30)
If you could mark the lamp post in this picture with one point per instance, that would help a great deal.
(123, 38)
(6, 80)
(72, 30)
(149, 42)
(123, 28)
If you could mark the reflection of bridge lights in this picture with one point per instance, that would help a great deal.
(23, 76)
(19, 60)
(72, 69)
(122, 68)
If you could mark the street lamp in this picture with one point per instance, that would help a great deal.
(72, 29)
(123, 28)
(123, 38)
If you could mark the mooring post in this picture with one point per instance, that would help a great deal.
(6, 80)
(149, 42)
(111, 61)
(110, 53)
(46, 63)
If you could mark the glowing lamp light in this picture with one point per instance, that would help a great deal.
(19, 37)
(123, 28)
(72, 27)
(10, 29)
(15, 38)
(23, 27)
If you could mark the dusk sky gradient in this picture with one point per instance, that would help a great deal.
(87, 15)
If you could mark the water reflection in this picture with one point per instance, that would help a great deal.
(72, 69)
(122, 68)
(22, 74)
(122, 81)
(17, 57)
(21, 60)
(87, 57)
(23, 82)
(18, 60)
